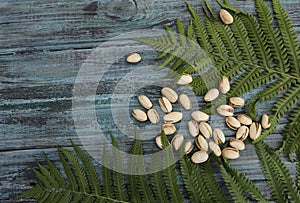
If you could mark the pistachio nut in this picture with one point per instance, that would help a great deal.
(199, 116)
(185, 79)
(214, 147)
(188, 147)
(170, 94)
(199, 157)
(224, 85)
(236, 101)
(232, 123)
(153, 116)
(193, 128)
(201, 143)
(158, 141)
(218, 136)
(211, 95)
(255, 130)
(169, 128)
(238, 144)
(165, 105)
(145, 101)
(185, 101)
(242, 133)
(265, 123)
(230, 153)
(205, 129)
(244, 119)
(226, 17)
(173, 117)
(134, 58)
(139, 115)
(225, 110)
(177, 141)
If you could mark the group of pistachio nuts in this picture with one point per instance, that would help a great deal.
(206, 139)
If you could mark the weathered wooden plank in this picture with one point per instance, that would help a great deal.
(42, 47)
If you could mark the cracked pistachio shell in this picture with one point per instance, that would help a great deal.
(199, 116)
(158, 141)
(169, 128)
(232, 123)
(255, 130)
(170, 94)
(199, 157)
(224, 85)
(165, 105)
(230, 153)
(134, 58)
(145, 101)
(242, 133)
(226, 17)
(244, 119)
(177, 141)
(185, 79)
(188, 147)
(236, 102)
(218, 136)
(211, 95)
(225, 110)
(193, 128)
(139, 115)
(153, 116)
(173, 117)
(214, 147)
(185, 101)
(265, 121)
(238, 144)
(201, 143)
(205, 129)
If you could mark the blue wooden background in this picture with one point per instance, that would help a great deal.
(44, 43)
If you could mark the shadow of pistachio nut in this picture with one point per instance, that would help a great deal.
(185, 79)
(244, 119)
(145, 101)
(211, 95)
(242, 133)
(265, 123)
(165, 105)
(255, 130)
(199, 157)
(226, 17)
(205, 129)
(214, 147)
(199, 116)
(232, 123)
(193, 128)
(177, 141)
(238, 144)
(173, 117)
(139, 115)
(153, 116)
(218, 136)
(230, 153)
(170, 94)
(224, 85)
(169, 128)
(134, 58)
(201, 143)
(188, 147)
(236, 102)
(185, 101)
(225, 110)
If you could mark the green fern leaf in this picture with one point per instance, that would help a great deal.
(298, 169)
(56, 174)
(281, 183)
(107, 188)
(288, 36)
(47, 175)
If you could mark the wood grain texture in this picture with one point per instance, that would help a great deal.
(43, 45)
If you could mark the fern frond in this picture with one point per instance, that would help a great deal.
(107, 185)
(298, 168)
(289, 37)
(278, 176)
(56, 174)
